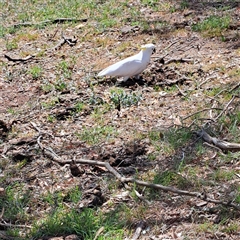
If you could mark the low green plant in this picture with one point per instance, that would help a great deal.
(178, 137)
(60, 85)
(223, 175)
(11, 45)
(95, 135)
(48, 87)
(231, 228)
(14, 202)
(237, 198)
(35, 71)
(205, 227)
(79, 106)
(184, 4)
(119, 96)
(84, 223)
(64, 69)
(73, 195)
(50, 103)
(213, 25)
(51, 118)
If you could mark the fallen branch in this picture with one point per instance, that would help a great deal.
(179, 60)
(225, 108)
(138, 231)
(202, 110)
(18, 59)
(223, 145)
(70, 41)
(53, 21)
(125, 180)
(4, 224)
(50, 153)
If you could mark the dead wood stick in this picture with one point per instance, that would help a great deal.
(56, 158)
(223, 145)
(18, 59)
(57, 20)
(233, 88)
(202, 110)
(138, 231)
(49, 152)
(100, 230)
(179, 60)
(4, 224)
(225, 108)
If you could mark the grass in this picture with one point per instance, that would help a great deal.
(35, 71)
(95, 135)
(213, 25)
(61, 77)
(84, 223)
(119, 96)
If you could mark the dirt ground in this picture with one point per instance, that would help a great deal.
(39, 112)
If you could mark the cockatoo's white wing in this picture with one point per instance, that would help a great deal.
(126, 68)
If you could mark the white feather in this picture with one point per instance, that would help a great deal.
(130, 66)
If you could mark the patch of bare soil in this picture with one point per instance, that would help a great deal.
(35, 116)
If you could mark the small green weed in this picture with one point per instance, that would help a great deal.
(60, 85)
(11, 45)
(223, 175)
(35, 71)
(48, 87)
(51, 118)
(15, 202)
(237, 198)
(119, 96)
(79, 106)
(84, 223)
(96, 134)
(178, 137)
(205, 227)
(171, 178)
(73, 195)
(12, 111)
(184, 4)
(64, 69)
(231, 228)
(50, 103)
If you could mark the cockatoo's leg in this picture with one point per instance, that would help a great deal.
(124, 79)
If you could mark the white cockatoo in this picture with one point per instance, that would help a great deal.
(131, 66)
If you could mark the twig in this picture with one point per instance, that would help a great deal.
(139, 182)
(138, 231)
(4, 224)
(225, 108)
(18, 59)
(223, 145)
(181, 92)
(140, 196)
(179, 60)
(234, 88)
(49, 152)
(1, 215)
(100, 230)
(70, 41)
(202, 110)
(57, 20)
